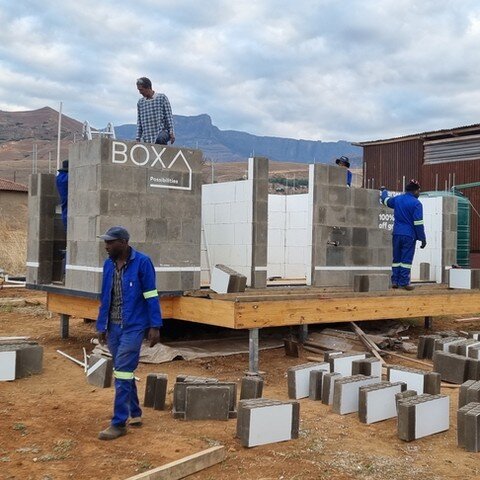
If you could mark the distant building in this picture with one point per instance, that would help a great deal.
(13, 202)
(439, 160)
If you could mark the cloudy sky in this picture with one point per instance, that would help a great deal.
(312, 69)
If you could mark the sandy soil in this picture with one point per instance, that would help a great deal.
(49, 423)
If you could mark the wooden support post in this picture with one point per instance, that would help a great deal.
(64, 325)
(302, 333)
(428, 323)
(253, 351)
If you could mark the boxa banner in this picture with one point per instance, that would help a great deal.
(167, 167)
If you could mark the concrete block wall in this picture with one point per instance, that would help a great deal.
(153, 191)
(42, 200)
(440, 216)
(348, 237)
(235, 231)
(288, 236)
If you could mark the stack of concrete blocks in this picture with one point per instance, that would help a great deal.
(464, 278)
(440, 217)
(469, 392)
(251, 387)
(264, 421)
(426, 346)
(227, 280)
(100, 371)
(370, 367)
(234, 217)
(298, 378)
(289, 236)
(347, 238)
(468, 427)
(156, 391)
(377, 402)
(153, 191)
(346, 393)
(423, 415)
(41, 244)
(418, 380)
(198, 398)
(19, 360)
(342, 363)
(328, 386)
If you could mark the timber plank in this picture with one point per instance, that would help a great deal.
(204, 310)
(185, 466)
(329, 310)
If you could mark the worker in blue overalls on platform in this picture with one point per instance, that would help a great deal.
(129, 311)
(408, 227)
(61, 182)
(345, 162)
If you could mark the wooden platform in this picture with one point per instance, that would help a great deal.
(274, 307)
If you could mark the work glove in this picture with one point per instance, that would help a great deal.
(424, 244)
(102, 338)
(153, 336)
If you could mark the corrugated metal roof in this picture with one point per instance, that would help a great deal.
(12, 186)
(466, 129)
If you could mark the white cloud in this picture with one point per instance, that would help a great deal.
(318, 69)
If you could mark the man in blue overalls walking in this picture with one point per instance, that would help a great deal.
(407, 229)
(129, 309)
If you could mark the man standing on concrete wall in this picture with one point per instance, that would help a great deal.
(129, 308)
(344, 162)
(154, 115)
(408, 227)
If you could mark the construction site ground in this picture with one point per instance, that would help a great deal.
(49, 422)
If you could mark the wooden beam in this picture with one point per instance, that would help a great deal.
(204, 310)
(185, 466)
(367, 342)
(471, 319)
(328, 310)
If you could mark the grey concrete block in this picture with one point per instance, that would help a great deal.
(464, 348)
(370, 367)
(315, 390)
(404, 395)
(424, 271)
(328, 387)
(461, 424)
(26, 359)
(472, 429)
(426, 345)
(251, 387)
(418, 380)
(473, 369)
(343, 363)
(455, 346)
(207, 402)
(371, 283)
(227, 280)
(100, 371)
(329, 355)
(377, 402)
(298, 378)
(160, 393)
(264, 421)
(452, 368)
(474, 352)
(149, 398)
(443, 343)
(346, 393)
(422, 416)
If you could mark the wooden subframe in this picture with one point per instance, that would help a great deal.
(278, 313)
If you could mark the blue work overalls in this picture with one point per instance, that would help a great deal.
(408, 227)
(140, 311)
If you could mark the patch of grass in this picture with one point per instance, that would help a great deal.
(6, 308)
(13, 247)
(19, 427)
(63, 446)
(144, 465)
(4, 459)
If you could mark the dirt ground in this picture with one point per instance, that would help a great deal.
(49, 422)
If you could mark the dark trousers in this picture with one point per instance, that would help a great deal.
(163, 138)
(125, 350)
(403, 251)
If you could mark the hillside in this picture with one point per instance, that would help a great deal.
(19, 131)
(232, 145)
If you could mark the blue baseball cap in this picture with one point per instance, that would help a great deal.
(115, 233)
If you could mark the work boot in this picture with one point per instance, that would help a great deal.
(394, 285)
(112, 432)
(135, 422)
(408, 287)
